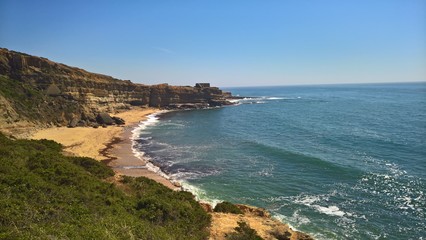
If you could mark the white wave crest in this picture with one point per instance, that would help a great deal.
(311, 201)
(260, 100)
(200, 195)
(151, 120)
(284, 219)
(330, 210)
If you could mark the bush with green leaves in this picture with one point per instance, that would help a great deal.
(243, 232)
(227, 207)
(46, 195)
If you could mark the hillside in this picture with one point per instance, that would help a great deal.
(46, 195)
(49, 195)
(35, 91)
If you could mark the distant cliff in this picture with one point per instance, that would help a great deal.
(35, 90)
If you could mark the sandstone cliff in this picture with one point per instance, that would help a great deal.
(37, 91)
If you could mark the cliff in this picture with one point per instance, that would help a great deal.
(35, 91)
(258, 219)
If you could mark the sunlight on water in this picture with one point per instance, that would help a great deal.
(338, 162)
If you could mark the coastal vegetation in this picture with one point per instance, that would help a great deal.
(227, 207)
(21, 103)
(47, 195)
(22, 97)
(243, 232)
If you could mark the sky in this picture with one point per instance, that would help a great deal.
(227, 43)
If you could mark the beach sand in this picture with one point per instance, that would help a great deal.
(111, 144)
(114, 146)
(124, 162)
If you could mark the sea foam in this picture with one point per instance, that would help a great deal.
(151, 120)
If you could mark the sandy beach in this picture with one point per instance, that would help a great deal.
(111, 144)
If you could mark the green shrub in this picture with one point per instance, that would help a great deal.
(33, 104)
(227, 207)
(46, 195)
(96, 168)
(243, 232)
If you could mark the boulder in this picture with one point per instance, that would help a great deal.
(118, 121)
(104, 118)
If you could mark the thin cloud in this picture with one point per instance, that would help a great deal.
(164, 50)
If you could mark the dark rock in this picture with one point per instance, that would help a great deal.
(137, 103)
(104, 118)
(202, 85)
(81, 123)
(104, 125)
(89, 117)
(219, 102)
(118, 121)
(184, 106)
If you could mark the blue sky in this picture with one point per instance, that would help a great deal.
(227, 43)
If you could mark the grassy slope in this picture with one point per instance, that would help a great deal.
(44, 194)
(25, 98)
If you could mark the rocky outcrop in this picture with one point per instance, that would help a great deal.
(104, 118)
(257, 218)
(66, 94)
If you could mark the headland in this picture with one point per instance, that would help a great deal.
(93, 115)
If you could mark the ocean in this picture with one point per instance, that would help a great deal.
(334, 161)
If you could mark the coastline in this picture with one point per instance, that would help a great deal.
(124, 162)
(111, 145)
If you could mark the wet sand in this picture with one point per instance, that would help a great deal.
(124, 162)
(111, 144)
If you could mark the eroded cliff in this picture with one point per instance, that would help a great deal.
(35, 90)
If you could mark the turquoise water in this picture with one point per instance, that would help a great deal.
(335, 161)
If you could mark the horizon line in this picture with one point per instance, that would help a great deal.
(321, 84)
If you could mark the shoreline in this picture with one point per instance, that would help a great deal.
(124, 162)
(111, 145)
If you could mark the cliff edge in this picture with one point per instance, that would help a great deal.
(35, 91)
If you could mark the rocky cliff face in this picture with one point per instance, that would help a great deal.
(257, 218)
(59, 93)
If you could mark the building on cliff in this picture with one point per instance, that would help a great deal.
(202, 85)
